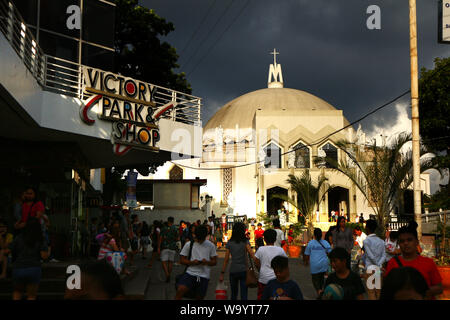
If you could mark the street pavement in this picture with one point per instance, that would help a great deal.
(158, 289)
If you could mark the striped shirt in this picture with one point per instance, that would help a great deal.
(106, 248)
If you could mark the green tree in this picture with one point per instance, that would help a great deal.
(440, 200)
(381, 173)
(309, 195)
(139, 51)
(140, 54)
(434, 110)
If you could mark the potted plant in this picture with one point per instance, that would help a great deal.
(297, 247)
(442, 259)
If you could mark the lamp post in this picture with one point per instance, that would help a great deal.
(415, 115)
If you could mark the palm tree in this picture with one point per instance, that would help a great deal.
(308, 195)
(381, 173)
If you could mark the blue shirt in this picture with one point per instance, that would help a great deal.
(318, 255)
(374, 251)
(276, 289)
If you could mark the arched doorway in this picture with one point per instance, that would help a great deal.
(273, 204)
(338, 201)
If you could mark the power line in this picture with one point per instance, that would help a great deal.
(209, 33)
(219, 38)
(437, 138)
(318, 142)
(199, 26)
(444, 67)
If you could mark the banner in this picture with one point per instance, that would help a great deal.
(131, 189)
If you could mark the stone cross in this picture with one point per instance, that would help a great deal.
(274, 57)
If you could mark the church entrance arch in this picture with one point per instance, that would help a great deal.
(338, 201)
(274, 204)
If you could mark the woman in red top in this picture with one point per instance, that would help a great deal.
(30, 208)
(259, 232)
(408, 242)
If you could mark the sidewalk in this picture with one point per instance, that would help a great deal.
(158, 289)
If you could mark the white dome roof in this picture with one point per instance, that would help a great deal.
(240, 111)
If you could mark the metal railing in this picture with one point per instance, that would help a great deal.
(66, 77)
(22, 40)
(63, 76)
(431, 217)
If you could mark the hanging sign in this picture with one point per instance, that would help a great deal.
(444, 21)
(129, 104)
(131, 189)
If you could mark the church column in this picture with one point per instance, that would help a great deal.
(262, 191)
(353, 203)
(314, 155)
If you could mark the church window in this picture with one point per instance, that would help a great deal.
(302, 156)
(330, 152)
(273, 156)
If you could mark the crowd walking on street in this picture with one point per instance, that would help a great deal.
(342, 262)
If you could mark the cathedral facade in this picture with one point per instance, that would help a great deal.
(253, 143)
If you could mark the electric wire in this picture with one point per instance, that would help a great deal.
(209, 34)
(219, 38)
(199, 26)
(318, 142)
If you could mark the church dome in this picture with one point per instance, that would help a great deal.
(239, 113)
(241, 110)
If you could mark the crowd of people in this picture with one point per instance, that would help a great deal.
(25, 246)
(347, 258)
(341, 262)
(341, 265)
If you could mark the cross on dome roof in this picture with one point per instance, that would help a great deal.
(274, 56)
(275, 72)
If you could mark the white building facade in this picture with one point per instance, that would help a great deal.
(255, 141)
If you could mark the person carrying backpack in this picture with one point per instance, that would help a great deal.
(316, 254)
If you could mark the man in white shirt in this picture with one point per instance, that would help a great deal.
(211, 224)
(263, 259)
(360, 236)
(281, 239)
(197, 275)
(374, 255)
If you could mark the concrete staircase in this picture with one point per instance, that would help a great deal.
(52, 286)
(53, 282)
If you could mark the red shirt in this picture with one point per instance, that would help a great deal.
(424, 265)
(259, 233)
(30, 210)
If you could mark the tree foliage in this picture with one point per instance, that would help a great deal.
(309, 195)
(139, 51)
(434, 110)
(440, 200)
(381, 173)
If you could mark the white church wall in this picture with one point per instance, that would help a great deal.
(287, 121)
(244, 191)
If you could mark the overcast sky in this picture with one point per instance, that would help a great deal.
(325, 49)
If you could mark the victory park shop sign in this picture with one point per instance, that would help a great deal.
(128, 104)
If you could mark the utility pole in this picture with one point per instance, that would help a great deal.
(415, 115)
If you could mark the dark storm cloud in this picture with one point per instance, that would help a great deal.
(325, 49)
